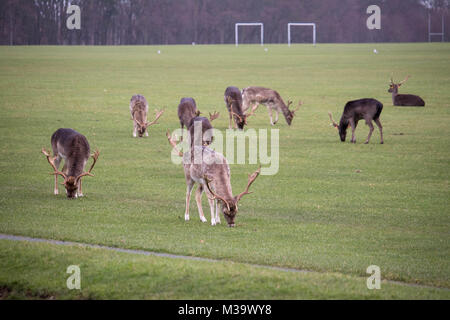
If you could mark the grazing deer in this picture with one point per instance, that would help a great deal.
(187, 111)
(254, 96)
(139, 111)
(404, 99)
(73, 148)
(212, 174)
(367, 109)
(233, 101)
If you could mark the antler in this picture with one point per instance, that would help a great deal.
(53, 164)
(333, 123)
(213, 116)
(403, 81)
(158, 115)
(88, 173)
(215, 195)
(173, 143)
(251, 178)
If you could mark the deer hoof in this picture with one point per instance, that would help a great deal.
(186, 217)
(381, 142)
(213, 222)
(55, 192)
(203, 219)
(367, 142)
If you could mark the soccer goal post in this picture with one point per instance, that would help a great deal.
(313, 25)
(242, 24)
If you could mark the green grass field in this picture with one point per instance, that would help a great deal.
(333, 208)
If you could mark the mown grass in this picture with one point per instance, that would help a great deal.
(332, 207)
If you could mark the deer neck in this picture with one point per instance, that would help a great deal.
(394, 94)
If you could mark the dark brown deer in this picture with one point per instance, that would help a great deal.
(367, 109)
(73, 148)
(139, 111)
(233, 101)
(254, 96)
(404, 99)
(212, 174)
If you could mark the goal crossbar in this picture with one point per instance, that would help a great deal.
(237, 25)
(301, 24)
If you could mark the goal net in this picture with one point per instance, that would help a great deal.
(298, 24)
(245, 24)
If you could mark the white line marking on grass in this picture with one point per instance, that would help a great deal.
(176, 256)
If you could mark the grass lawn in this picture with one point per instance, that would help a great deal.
(333, 208)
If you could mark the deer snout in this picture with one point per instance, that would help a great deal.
(231, 225)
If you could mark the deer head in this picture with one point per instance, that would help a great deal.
(71, 183)
(142, 127)
(342, 130)
(291, 113)
(393, 87)
(230, 206)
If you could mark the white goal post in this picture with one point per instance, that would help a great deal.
(237, 25)
(301, 24)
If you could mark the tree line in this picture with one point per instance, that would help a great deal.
(150, 22)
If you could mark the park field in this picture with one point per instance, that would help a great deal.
(332, 209)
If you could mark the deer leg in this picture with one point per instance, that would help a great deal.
(56, 161)
(198, 199)
(135, 129)
(269, 109)
(189, 187)
(353, 126)
(217, 212)
(211, 206)
(276, 116)
(380, 127)
(231, 119)
(80, 191)
(369, 123)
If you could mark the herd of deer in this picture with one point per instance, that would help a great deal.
(213, 172)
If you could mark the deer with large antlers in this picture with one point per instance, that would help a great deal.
(254, 96)
(404, 99)
(73, 148)
(367, 109)
(212, 174)
(139, 111)
(233, 101)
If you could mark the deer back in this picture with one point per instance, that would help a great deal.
(187, 110)
(73, 147)
(408, 100)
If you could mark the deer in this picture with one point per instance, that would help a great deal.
(367, 109)
(206, 130)
(404, 99)
(139, 111)
(187, 111)
(73, 148)
(212, 174)
(233, 101)
(254, 96)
